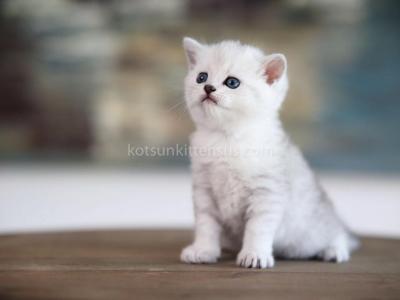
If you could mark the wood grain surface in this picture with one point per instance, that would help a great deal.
(145, 264)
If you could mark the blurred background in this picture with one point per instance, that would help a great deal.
(82, 81)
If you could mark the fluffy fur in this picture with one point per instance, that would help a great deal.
(253, 191)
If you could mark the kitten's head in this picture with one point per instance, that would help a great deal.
(229, 82)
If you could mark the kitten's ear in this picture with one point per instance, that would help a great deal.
(192, 48)
(274, 67)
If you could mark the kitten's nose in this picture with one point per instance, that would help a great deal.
(208, 88)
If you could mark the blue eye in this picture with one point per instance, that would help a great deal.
(232, 82)
(202, 77)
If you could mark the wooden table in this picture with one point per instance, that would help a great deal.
(145, 265)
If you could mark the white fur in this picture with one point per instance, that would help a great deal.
(253, 191)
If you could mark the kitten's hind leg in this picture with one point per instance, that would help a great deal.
(338, 251)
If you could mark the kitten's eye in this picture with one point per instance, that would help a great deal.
(232, 82)
(202, 77)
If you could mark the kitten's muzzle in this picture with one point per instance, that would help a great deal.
(209, 97)
(208, 88)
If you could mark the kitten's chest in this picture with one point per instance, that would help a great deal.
(230, 193)
(230, 167)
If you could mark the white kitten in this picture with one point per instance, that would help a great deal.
(252, 189)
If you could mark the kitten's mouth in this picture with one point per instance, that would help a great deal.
(209, 98)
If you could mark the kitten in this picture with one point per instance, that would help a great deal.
(253, 191)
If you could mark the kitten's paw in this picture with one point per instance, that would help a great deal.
(336, 254)
(255, 259)
(194, 254)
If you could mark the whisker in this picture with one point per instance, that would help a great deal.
(176, 105)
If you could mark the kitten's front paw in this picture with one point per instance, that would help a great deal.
(254, 259)
(194, 254)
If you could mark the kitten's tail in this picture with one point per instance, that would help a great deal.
(354, 242)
